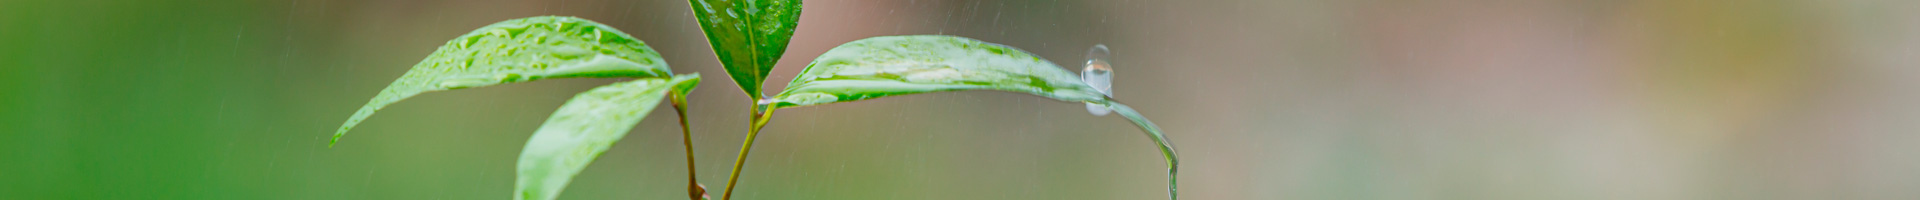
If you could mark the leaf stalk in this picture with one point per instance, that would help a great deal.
(761, 114)
(695, 191)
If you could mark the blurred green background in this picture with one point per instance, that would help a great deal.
(1266, 99)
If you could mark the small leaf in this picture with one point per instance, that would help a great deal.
(585, 127)
(898, 65)
(748, 36)
(521, 50)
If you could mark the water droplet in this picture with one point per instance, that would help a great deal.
(1098, 73)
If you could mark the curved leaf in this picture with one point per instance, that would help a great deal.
(1153, 132)
(521, 50)
(900, 65)
(585, 127)
(748, 36)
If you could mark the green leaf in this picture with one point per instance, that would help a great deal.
(748, 36)
(900, 65)
(585, 127)
(521, 50)
(1153, 132)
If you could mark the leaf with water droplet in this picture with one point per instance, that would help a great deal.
(748, 36)
(898, 65)
(521, 50)
(1098, 73)
(583, 128)
(901, 65)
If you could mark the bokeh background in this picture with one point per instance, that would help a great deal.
(1266, 99)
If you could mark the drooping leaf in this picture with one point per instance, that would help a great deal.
(1153, 132)
(583, 128)
(521, 50)
(748, 36)
(900, 65)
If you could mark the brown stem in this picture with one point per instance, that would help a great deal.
(695, 191)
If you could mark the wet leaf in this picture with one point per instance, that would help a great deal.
(521, 50)
(748, 36)
(1153, 132)
(583, 128)
(900, 65)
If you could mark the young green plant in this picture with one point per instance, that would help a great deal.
(748, 37)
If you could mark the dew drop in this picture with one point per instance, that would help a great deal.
(1099, 74)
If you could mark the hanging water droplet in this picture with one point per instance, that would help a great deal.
(1098, 73)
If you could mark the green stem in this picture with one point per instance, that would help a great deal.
(694, 190)
(1153, 132)
(760, 117)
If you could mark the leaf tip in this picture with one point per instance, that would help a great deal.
(336, 136)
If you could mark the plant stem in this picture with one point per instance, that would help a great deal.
(760, 118)
(694, 189)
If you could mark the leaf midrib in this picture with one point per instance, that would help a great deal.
(753, 47)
